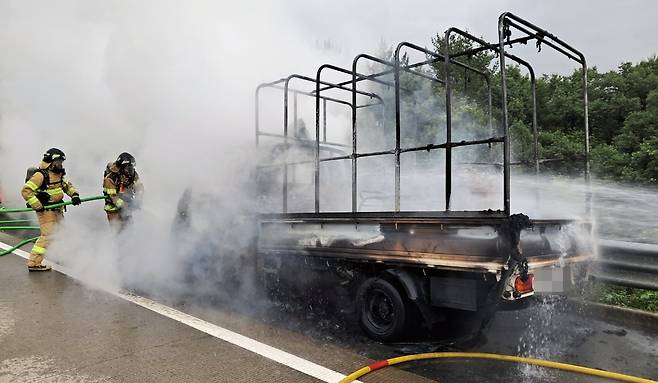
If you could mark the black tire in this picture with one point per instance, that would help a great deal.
(382, 312)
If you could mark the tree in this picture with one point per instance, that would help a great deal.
(623, 113)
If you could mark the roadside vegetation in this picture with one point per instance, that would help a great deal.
(623, 112)
(646, 300)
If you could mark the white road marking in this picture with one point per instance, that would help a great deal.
(302, 365)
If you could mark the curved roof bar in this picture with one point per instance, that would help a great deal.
(533, 87)
(318, 81)
(406, 68)
(438, 57)
(274, 85)
(312, 94)
(441, 57)
(506, 159)
(353, 105)
(507, 20)
(355, 154)
(257, 103)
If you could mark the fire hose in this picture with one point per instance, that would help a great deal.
(53, 206)
(18, 245)
(507, 358)
(15, 221)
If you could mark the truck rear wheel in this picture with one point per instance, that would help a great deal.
(382, 311)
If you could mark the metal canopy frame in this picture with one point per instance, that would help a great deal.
(285, 136)
(505, 22)
(508, 20)
(533, 91)
(438, 57)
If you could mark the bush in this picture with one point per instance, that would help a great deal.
(607, 162)
(646, 300)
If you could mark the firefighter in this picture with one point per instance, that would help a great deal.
(122, 189)
(46, 185)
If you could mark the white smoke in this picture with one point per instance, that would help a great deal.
(171, 82)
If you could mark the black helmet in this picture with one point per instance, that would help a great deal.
(125, 159)
(53, 154)
(126, 162)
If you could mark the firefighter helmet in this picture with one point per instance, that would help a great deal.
(125, 159)
(53, 154)
(126, 162)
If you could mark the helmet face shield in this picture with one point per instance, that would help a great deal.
(57, 166)
(129, 170)
(126, 164)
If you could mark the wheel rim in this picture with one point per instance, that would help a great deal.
(380, 310)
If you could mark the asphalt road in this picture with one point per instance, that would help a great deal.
(552, 328)
(54, 328)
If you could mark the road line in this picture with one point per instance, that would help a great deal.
(302, 365)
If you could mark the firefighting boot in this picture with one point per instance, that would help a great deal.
(34, 263)
(39, 268)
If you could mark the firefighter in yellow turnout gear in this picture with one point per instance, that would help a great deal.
(123, 190)
(46, 186)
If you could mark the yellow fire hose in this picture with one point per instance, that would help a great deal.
(507, 358)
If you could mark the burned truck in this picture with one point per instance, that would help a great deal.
(403, 268)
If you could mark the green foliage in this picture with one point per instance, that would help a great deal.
(623, 120)
(623, 112)
(562, 145)
(636, 298)
(522, 144)
(644, 162)
(608, 162)
(465, 82)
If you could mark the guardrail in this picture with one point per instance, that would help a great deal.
(628, 264)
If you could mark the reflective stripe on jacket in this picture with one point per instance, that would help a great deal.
(56, 188)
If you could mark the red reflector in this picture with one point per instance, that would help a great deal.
(524, 287)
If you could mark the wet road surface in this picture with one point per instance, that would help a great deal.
(54, 328)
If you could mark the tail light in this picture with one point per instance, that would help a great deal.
(524, 287)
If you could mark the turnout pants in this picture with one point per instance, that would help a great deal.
(48, 220)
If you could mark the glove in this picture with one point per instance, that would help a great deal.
(75, 200)
(39, 210)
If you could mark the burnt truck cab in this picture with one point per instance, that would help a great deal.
(402, 269)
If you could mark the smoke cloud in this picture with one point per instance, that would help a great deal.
(173, 83)
(170, 82)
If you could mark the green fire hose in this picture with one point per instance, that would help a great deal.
(53, 206)
(3, 228)
(25, 242)
(15, 221)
